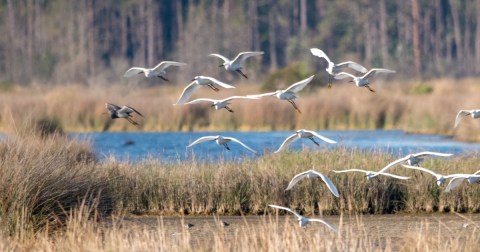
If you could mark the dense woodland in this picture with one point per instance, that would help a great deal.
(88, 41)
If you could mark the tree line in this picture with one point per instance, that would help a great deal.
(59, 41)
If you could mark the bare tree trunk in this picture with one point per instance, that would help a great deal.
(383, 33)
(272, 38)
(477, 39)
(416, 38)
(303, 16)
(254, 33)
(91, 39)
(150, 22)
(457, 34)
(367, 31)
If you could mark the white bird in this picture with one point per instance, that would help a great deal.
(304, 221)
(158, 71)
(372, 174)
(235, 65)
(413, 159)
(219, 104)
(198, 82)
(303, 133)
(121, 112)
(312, 174)
(363, 81)
(333, 69)
(457, 179)
(220, 140)
(289, 94)
(440, 178)
(475, 113)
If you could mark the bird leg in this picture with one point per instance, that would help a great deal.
(163, 78)
(315, 142)
(229, 109)
(131, 121)
(369, 88)
(213, 87)
(294, 106)
(240, 72)
(226, 146)
(330, 79)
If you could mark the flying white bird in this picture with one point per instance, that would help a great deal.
(198, 82)
(475, 113)
(363, 81)
(413, 159)
(313, 174)
(219, 104)
(235, 65)
(333, 69)
(122, 112)
(220, 140)
(304, 221)
(439, 177)
(158, 71)
(303, 133)
(289, 94)
(457, 179)
(372, 174)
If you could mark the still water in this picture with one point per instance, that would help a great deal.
(171, 146)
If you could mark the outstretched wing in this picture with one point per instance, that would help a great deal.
(262, 95)
(351, 170)
(328, 140)
(202, 139)
(353, 65)
(461, 115)
(392, 164)
(111, 107)
(128, 110)
(328, 182)
(343, 75)
(166, 64)
(215, 81)
(426, 153)
(201, 100)
(326, 224)
(454, 183)
(286, 209)
(242, 144)
(243, 56)
(225, 60)
(374, 71)
(321, 54)
(287, 142)
(422, 169)
(296, 178)
(187, 92)
(134, 71)
(240, 97)
(296, 87)
(392, 175)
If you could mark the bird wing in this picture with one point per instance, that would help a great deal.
(201, 100)
(286, 209)
(353, 65)
(287, 142)
(202, 139)
(425, 153)
(392, 175)
(165, 64)
(326, 224)
(454, 183)
(343, 75)
(242, 144)
(392, 164)
(262, 95)
(374, 71)
(134, 71)
(112, 107)
(187, 92)
(321, 54)
(129, 110)
(296, 87)
(296, 178)
(215, 81)
(243, 56)
(328, 140)
(422, 169)
(329, 183)
(220, 56)
(351, 170)
(240, 97)
(461, 115)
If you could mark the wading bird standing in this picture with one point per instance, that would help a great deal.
(219, 104)
(304, 221)
(333, 69)
(220, 140)
(122, 112)
(198, 82)
(363, 81)
(475, 113)
(304, 134)
(235, 65)
(158, 71)
(289, 94)
(312, 174)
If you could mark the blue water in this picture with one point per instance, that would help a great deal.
(171, 146)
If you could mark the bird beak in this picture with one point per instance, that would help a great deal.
(350, 81)
(220, 66)
(193, 79)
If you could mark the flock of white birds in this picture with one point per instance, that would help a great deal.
(289, 94)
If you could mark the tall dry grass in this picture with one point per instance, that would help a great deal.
(428, 107)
